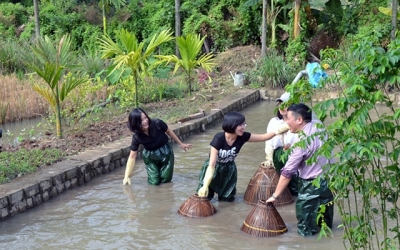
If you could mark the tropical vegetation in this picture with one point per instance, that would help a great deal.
(125, 45)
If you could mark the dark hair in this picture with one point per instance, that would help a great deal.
(135, 120)
(301, 110)
(278, 114)
(231, 121)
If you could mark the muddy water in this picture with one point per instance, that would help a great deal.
(106, 215)
(14, 132)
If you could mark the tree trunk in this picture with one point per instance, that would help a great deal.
(177, 24)
(58, 121)
(296, 23)
(135, 79)
(104, 18)
(190, 83)
(395, 4)
(37, 24)
(264, 29)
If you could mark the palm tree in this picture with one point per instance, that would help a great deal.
(51, 64)
(129, 53)
(189, 49)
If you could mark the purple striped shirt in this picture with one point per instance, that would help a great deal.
(297, 158)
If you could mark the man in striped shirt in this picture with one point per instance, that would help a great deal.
(310, 196)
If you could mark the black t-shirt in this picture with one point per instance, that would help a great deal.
(228, 153)
(154, 140)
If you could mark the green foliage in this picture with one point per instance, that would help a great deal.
(189, 49)
(92, 64)
(86, 36)
(362, 18)
(12, 56)
(52, 64)
(378, 33)
(16, 14)
(55, 25)
(128, 54)
(296, 51)
(272, 71)
(13, 164)
(225, 23)
(366, 173)
(11, 17)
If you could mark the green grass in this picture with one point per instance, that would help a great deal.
(13, 164)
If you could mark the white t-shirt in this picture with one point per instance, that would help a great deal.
(276, 141)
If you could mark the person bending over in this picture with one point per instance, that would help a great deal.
(157, 154)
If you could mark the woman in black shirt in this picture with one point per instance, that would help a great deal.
(157, 154)
(219, 173)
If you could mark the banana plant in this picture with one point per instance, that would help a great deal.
(52, 64)
(272, 13)
(388, 12)
(128, 54)
(189, 49)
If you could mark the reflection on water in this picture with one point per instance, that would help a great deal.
(106, 215)
(14, 132)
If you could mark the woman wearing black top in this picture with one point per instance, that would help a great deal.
(157, 154)
(219, 173)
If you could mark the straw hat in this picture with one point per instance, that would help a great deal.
(264, 221)
(197, 207)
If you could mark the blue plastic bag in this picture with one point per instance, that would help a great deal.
(315, 73)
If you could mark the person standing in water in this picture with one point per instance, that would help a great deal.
(276, 147)
(310, 196)
(219, 173)
(157, 154)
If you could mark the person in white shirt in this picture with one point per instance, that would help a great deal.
(275, 147)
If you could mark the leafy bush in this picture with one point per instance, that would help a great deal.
(12, 55)
(272, 71)
(365, 174)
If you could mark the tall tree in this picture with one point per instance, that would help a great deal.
(296, 22)
(37, 24)
(395, 4)
(264, 28)
(394, 14)
(177, 24)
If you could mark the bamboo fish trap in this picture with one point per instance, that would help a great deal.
(264, 221)
(197, 207)
(263, 184)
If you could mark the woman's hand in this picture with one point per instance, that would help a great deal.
(185, 146)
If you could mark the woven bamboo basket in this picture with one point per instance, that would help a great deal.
(264, 221)
(197, 207)
(263, 184)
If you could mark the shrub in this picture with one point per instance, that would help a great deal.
(271, 71)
